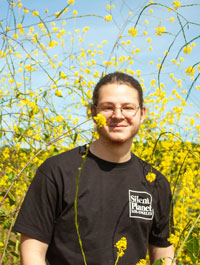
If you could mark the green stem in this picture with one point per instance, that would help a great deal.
(117, 260)
(76, 208)
(185, 240)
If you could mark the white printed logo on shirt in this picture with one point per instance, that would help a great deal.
(140, 205)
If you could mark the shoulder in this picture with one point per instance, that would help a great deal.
(70, 156)
(62, 163)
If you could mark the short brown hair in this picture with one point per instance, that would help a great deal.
(118, 78)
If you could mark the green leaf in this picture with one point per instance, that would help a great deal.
(75, 137)
(21, 130)
(11, 176)
(192, 247)
(44, 94)
(11, 199)
(158, 262)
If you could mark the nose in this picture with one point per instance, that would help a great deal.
(117, 113)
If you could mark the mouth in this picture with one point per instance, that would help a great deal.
(117, 126)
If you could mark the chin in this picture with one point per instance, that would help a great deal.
(118, 139)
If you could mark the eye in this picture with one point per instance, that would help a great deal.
(107, 108)
(129, 107)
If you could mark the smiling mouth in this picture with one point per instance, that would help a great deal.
(115, 126)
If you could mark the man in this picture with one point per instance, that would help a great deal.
(115, 198)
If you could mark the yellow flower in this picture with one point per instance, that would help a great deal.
(176, 4)
(96, 135)
(35, 13)
(71, 2)
(121, 245)
(132, 32)
(160, 30)
(15, 36)
(63, 75)
(108, 6)
(75, 12)
(190, 71)
(26, 10)
(40, 25)
(187, 49)
(151, 176)
(100, 120)
(153, 81)
(85, 29)
(141, 262)
(58, 93)
(108, 18)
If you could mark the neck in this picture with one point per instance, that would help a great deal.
(112, 152)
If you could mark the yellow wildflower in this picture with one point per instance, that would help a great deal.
(63, 75)
(85, 29)
(141, 262)
(110, 6)
(71, 2)
(75, 12)
(190, 71)
(153, 81)
(26, 10)
(160, 30)
(58, 93)
(132, 32)
(176, 4)
(96, 135)
(15, 36)
(35, 13)
(108, 18)
(100, 120)
(121, 245)
(187, 49)
(40, 25)
(151, 176)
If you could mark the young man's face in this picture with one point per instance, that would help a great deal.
(119, 103)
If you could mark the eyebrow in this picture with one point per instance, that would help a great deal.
(124, 103)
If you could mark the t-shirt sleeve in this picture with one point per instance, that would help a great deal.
(38, 211)
(163, 215)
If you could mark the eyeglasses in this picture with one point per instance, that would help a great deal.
(127, 111)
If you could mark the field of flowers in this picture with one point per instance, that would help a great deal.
(49, 64)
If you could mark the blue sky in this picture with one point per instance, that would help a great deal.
(101, 30)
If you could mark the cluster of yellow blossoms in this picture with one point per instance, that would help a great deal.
(121, 246)
(48, 70)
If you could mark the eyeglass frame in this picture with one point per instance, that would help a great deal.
(121, 110)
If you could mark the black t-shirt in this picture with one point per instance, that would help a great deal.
(114, 200)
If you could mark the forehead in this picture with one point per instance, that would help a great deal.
(118, 93)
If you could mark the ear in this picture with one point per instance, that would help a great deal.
(143, 113)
